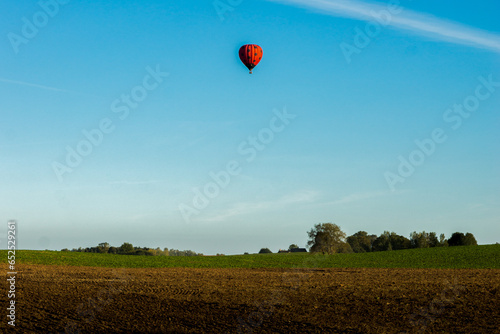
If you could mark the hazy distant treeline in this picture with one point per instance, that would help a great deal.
(128, 249)
(363, 242)
(323, 238)
(329, 238)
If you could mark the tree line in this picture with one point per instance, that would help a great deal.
(128, 249)
(329, 238)
(324, 238)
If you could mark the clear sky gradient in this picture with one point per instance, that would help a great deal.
(133, 121)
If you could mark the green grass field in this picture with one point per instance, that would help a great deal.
(478, 257)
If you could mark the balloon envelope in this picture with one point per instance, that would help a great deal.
(250, 55)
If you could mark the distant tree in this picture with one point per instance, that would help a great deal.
(399, 242)
(321, 242)
(173, 252)
(265, 251)
(372, 237)
(64, 250)
(470, 240)
(103, 247)
(141, 251)
(176, 252)
(327, 238)
(126, 248)
(142, 248)
(456, 239)
(382, 243)
(390, 241)
(433, 241)
(442, 240)
(292, 246)
(360, 242)
(419, 239)
(138, 252)
(189, 253)
(159, 252)
(149, 252)
(166, 251)
(344, 248)
(246, 253)
(112, 250)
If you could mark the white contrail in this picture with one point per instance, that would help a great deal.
(418, 23)
(22, 83)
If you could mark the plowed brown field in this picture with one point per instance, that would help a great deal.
(55, 299)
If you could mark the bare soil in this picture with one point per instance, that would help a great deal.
(59, 299)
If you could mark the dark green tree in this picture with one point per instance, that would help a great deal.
(103, 247)
(442, 240)
(419, 239)
(265, 251)
(470, 240)
(176, 252)
(360, 242)
(327, 238)
(433, 241)
(321, 242)
(456, 239)
(344, 247)
(126, 248)
(399, 242)
(292, 246)
(382, 243)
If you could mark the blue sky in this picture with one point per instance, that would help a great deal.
(387, 123)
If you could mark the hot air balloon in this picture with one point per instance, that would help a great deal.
(250, 55)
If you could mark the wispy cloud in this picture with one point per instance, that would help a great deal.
(134, 183)
(357, 197)
(29, 144)
(54, 89)
(306, 197)
(415, 22)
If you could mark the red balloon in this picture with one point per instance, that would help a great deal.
(250, 55)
